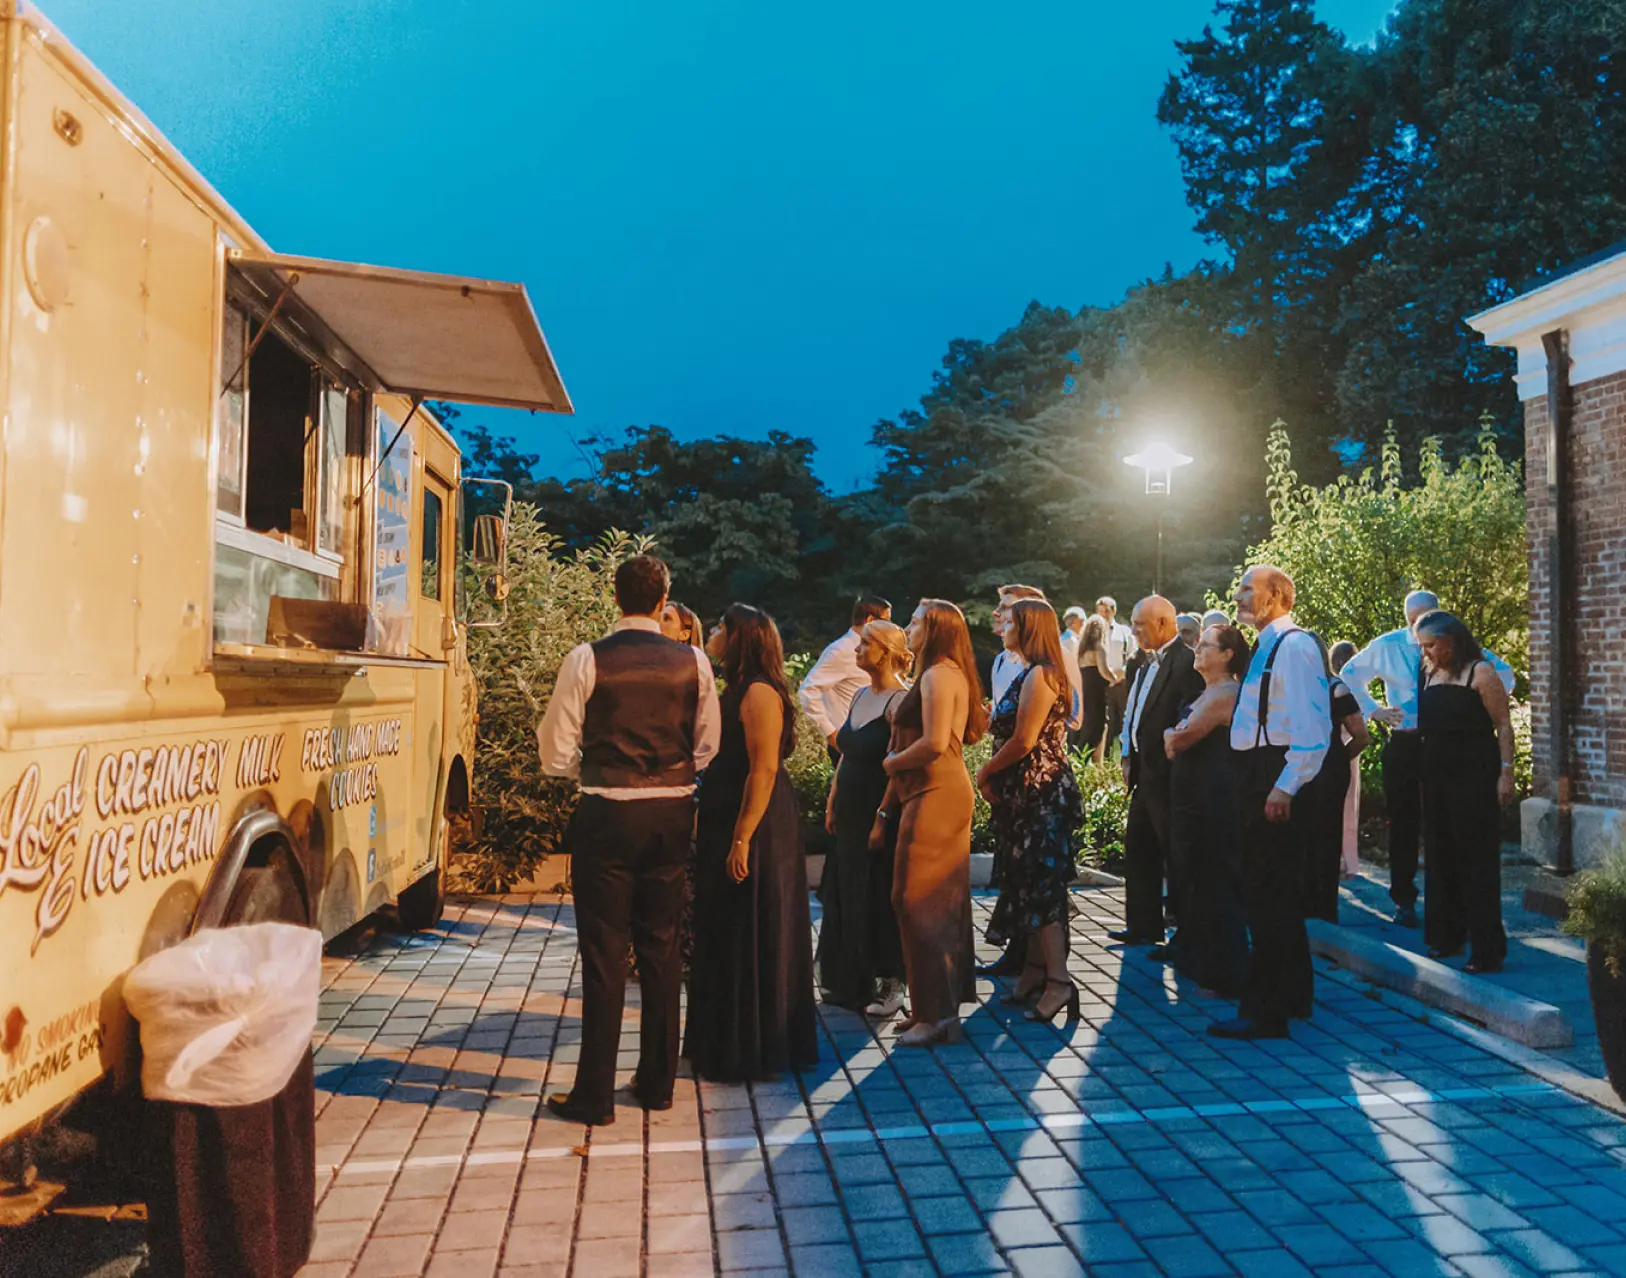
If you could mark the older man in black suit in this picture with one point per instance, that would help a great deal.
(1163, 687)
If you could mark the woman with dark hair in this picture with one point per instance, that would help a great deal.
(860, 958)
(751, 985)
(931, 886)
(679, 622)
(1030, 785)
(1213, 937)
(1462, 714)
(1098, 675)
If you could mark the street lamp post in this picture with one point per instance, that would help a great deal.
(1159, 461)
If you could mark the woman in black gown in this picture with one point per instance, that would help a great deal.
(1462, 713)
(1097, 677)
(751, 985)
(860, 955)
(1212, 944)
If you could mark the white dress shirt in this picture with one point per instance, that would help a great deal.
(1396, 658)
(1007, 665)
(559, 735)
(1299, 715)
(1120, 646)
(1075, 678)
(1142, 689)
(828, 689)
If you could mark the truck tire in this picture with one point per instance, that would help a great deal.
(420, 905)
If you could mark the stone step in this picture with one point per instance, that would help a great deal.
(1500, 1010)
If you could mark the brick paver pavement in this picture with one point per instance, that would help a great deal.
(1126, 1144)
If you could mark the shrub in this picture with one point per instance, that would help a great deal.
(556, 602)
(1597, 909)
(1106, 812)
(810, 771)
(1356, 546)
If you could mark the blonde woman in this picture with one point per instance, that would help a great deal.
(860, 958)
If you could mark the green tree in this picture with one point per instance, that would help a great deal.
(1356, 546)
(1497, 153)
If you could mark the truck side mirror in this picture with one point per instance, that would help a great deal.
(487, 543)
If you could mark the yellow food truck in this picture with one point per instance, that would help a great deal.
(238, 567)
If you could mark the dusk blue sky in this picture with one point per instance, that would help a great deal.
(731, 217)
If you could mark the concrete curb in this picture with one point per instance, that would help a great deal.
(1524, 1020)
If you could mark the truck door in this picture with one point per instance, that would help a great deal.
(434, 634)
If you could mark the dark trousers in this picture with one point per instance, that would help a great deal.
(1281, 982)
(1463, 842)
(1403, 796)
(1146, 842)
(1324, 800)
(1117, 704)
(626, 867)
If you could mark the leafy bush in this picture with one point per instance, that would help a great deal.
(1356, 546)
(810, 771)
(1106, 812)
(1597, 909)
(557, 601)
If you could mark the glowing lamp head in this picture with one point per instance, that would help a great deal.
(1159, 461)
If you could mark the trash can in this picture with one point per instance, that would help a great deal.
(226, 1019)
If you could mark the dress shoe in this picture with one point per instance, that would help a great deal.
(925, 1034)
(566, 1108)
(634, 1091)
(1436, 953)
(1068, 1004)
(1003, 966)
(1481, 967)
(1406, 916)
(1161, 953)
(1246, 1030)
(1128, 936)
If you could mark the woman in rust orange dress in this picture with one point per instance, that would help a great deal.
(931, 887)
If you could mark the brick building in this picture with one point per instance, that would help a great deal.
(1570, 335)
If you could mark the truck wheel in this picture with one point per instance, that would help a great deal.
(420, 905)
(268, 893)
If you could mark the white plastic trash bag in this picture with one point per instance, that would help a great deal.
(226, 1015)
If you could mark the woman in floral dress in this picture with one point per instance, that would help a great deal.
(1030, 785)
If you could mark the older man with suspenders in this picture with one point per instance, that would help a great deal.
(1281, 732)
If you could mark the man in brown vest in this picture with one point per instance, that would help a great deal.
(633, 718)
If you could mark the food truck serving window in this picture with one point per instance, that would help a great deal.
(313, 496)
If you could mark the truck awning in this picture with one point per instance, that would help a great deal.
(427, 336)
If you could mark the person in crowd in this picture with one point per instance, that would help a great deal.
(1120, 651)
(1396, 659)
(679, 622)
(1164, 685)
(1349, 863)
(1097, 677)
(633, 718)
(1215, 617)
(1328, 796)
(829, 686)
(931, 892)
(1281, 732)
(1071, 629)
(1007, 662)
(1007, 665)
(1030, 786)
(1190, 628)
(751, 1012)
(1467, 773)
(1213, 948)
(860, 958)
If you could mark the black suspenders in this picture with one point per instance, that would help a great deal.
(1262, 733)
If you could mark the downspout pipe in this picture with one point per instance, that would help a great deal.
(1560, 571)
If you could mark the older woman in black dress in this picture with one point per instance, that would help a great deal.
(751, 985)
(860, 957)
(1036, 808)
(1212, 945)
(1462, 713)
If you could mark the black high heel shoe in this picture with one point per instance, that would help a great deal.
(1019, 997)
(1037, 1012)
